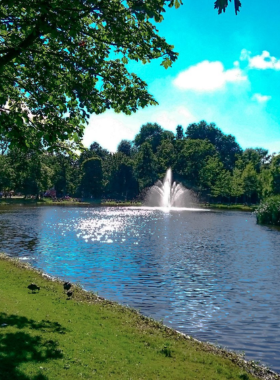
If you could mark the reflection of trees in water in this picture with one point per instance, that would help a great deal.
(17, 237)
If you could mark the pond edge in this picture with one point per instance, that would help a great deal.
(82, 295)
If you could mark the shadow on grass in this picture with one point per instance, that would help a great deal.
(21, 347)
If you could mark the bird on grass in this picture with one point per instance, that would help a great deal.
(69, 294)
(33, 287)
(67, 285)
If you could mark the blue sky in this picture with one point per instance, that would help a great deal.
(228, 72)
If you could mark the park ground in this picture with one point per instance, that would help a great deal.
(44, 335)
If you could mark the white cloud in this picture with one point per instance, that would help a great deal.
(170, 118)
(245, 55)
(110, 128)
(208, 76)
(261, 98)
(262, 62)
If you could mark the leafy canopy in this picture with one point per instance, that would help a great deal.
(62, 60)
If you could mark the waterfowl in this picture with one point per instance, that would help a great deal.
(67, 285)
(33, 287)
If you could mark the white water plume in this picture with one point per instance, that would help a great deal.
(169, 194)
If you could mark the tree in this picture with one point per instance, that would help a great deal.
(150, 132)
(275, 173)
(256, 156)
(62, 60)
(119, 177)
(33, 172)
(166, 157)
(226, 145)
(179, 132)
(209, 172)
(168, 135)
(98, 150)
(7, 173)
(265, 179)
(237, 184)
(125, 147)
(86, 154)
(263, 154)
(145, 166)
(192, 157)
(250, 181)
(214, 178)
(66, 174)
(221, 187)
(91, 184)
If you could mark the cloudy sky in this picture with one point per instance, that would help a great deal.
(228, 72)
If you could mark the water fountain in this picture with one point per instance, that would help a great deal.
(169, 194)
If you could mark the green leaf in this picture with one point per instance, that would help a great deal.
(166, 63)
(177, 4)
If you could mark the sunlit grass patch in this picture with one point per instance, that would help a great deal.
(240, 207)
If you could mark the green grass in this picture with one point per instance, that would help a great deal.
(50, 202)
(229, 207)
(120, 203)
(50, 337)
(17, 201)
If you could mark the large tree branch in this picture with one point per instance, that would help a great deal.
(29, 40)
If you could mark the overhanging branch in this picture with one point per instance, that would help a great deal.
(15, 52)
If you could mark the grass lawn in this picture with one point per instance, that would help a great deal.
(45, 336)
(230, 207)
(49, 202)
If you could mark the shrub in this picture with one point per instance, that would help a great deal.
(268, 211)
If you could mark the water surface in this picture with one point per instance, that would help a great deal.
(213, 275)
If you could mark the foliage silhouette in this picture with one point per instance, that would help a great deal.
(221, 5)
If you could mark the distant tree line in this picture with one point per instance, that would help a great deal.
(202, 157)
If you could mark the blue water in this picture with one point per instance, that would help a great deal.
(213, 275)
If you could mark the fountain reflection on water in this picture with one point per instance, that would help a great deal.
(168, 194)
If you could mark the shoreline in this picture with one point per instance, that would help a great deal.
(33, 202)
(85, 297)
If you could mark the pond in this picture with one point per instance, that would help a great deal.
(211, 274)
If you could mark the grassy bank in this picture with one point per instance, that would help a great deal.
(45, 336)
(239, 207)
(41, 202)
(50, 202)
